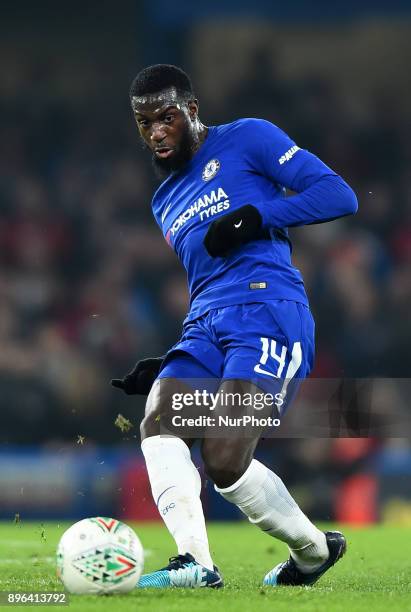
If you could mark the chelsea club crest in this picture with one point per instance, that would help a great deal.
(210, 169)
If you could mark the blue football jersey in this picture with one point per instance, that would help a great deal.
(249, 161)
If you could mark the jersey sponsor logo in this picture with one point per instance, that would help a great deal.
(208, 205)
(210, 169)
(288, 155)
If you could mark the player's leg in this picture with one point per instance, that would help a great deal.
(272, 347)
(176, 484)
(257, 491)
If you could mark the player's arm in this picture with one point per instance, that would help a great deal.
(321, 194)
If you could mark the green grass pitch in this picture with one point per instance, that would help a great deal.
(374, 575)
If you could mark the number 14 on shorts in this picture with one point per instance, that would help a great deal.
(274, 358)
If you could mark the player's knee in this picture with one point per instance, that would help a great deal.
(223, 463)
(149, 426)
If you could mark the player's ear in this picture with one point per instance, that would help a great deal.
(193, 109)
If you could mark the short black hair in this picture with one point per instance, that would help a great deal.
(161, 76)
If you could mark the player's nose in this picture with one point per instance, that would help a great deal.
(158, 133)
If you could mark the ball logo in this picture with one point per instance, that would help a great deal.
(105, 565)
(211, 169)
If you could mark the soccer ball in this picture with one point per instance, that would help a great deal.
(98, 556)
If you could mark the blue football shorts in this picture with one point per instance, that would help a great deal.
(270, 344)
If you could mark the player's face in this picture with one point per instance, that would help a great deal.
(166, 126)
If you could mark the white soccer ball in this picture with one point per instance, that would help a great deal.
(98, 556)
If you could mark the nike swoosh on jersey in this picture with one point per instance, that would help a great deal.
(165, 212)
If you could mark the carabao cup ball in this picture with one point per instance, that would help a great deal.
(99, 555)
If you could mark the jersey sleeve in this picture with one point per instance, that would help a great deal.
(272, 153)
(321, 194)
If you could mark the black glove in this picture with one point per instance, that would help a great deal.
(140, 379)
(232, 230)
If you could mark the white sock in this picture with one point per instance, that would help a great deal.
(176, 486)
(262, 496)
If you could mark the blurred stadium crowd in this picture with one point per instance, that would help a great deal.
(87, 284)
